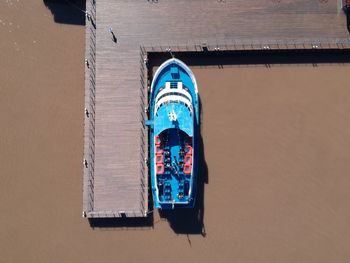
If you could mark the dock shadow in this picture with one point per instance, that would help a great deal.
(346, 10)
(125, 223)
(191, 221)
(67, 11)
(225, 58)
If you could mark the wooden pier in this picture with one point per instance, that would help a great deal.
(116, 146)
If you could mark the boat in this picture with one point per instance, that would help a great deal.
(174, 130)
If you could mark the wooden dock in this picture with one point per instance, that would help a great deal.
(116, 146)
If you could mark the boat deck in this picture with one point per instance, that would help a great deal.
(115, 174)
(173, 181)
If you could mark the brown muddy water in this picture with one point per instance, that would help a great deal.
(276, 143)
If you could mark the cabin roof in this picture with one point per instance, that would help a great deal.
(183, 118)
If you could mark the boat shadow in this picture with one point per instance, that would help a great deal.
(67, 11)
(191, 221)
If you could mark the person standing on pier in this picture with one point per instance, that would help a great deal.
(113, 36)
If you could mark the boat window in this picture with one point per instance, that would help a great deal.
(173, 93)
